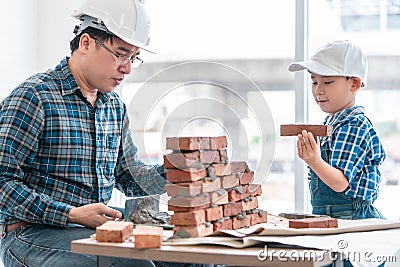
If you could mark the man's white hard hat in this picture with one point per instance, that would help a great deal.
(126, 19)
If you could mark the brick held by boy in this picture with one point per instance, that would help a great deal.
(296, 129)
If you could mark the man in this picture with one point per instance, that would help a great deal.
(65, 142)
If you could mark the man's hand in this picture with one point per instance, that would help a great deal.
(93, 215)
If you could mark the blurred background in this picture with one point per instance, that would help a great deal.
(256, 38)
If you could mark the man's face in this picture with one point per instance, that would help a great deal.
(108, 63)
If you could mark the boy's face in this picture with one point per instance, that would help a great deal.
(334, 93)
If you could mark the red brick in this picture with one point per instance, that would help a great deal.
(239, 167)
(229, 181)
(189, 175)
(259, 216)
(218, 142)
(184, 189)
(232, 209)
(240, 221)
(322, 222)
(193, 231)
(219, 197)
(194, 201)
(295, 129)
(214, 213)
(210, 185)
(223, 224)
(220, 169)
(255, 190)
(178, 160)
(250, 203)
(112, 231)
(148, 236)
(188, 218)
(187, 143)
(223, 154)
(238, 193)
(210, 156)
(246, 178)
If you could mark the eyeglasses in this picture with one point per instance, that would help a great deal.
(122, 60)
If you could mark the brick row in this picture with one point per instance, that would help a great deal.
(213, 212)
(218, 197)
(206, 185)
(242, 220)
(232, 171)
(194, 159)
(196, 143)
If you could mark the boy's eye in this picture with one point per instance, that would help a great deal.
(329, 82)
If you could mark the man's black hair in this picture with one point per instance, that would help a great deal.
(100, 35)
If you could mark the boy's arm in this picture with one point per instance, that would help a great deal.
(308, 150)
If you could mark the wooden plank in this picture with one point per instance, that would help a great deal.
(208, 254)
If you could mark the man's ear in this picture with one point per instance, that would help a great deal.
(84, 43)
(356, 84)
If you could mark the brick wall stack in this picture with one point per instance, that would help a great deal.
(208, 192)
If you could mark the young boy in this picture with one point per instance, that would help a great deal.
(344, 172)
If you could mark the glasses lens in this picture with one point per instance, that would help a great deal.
(136, 62)
(123, 60)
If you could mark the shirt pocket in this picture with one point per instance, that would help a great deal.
(113, 143)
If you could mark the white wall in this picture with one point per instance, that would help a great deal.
(55, 30)
(18, 42)
(34, 36)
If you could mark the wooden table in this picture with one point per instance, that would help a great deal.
(209, 254)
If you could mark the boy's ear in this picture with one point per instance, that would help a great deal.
(356, 84)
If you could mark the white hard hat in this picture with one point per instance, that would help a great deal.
(126, 19)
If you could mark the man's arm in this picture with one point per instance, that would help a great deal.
(133, 177)
(21, 121)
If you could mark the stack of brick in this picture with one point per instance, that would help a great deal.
(209, 193)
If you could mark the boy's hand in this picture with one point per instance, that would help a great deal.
(308, 148)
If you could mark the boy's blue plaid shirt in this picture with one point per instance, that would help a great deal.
(357, 151)
(57, 151)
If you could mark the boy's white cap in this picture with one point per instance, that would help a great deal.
(338, 58)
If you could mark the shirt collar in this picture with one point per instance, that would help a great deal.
(70, 86)
(342, 115)
(68, 82)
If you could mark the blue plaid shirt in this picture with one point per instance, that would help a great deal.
(357, 151)
(57, 151)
